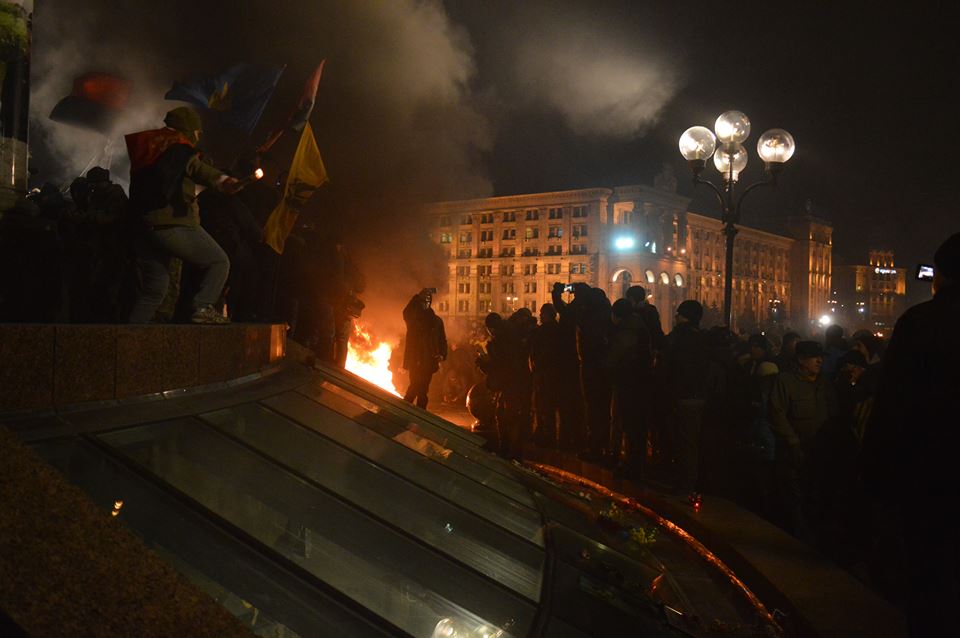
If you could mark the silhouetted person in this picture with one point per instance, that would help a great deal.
(99, 246)
(911, 444)
(834, 347)
(786, 359)
(508, 377)
(648, 313)
(426, 346)
(629, 361)
(547, 366)
(594, 331)
(684, 363)
(573, 410)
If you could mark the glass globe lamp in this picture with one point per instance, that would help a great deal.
(776, 146)
(733, 127)
(697, 143)
(730, 157)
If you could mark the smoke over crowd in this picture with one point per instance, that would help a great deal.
(402, 115)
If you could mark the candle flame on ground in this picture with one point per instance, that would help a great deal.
(369, 358)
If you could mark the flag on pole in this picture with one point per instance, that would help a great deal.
(300, 114)
(307, 174)
(237, 95)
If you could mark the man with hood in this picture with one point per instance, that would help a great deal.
(166, 175)
(426, 346)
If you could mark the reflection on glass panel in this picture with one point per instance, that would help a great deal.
(266, 598)
(411, 462)
(630, 562)
(391, 403)
(455, 531)
(426, 429)
(394, 576)
(412, 435)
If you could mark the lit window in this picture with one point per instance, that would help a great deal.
(665, 278)
(650, 277)
(679, 280)
(446, 238)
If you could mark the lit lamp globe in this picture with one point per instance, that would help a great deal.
(733, 127)
(776, 146)
(697, 144)
(730, 160)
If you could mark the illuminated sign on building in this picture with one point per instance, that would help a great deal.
(885, 271)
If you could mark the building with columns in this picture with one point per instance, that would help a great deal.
(505, 253)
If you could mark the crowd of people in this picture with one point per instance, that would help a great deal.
(808, 434)
(185, 246)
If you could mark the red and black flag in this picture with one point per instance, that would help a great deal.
(96, 102)
(300, 114)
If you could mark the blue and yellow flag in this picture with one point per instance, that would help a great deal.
(307, 174)
(237, 96)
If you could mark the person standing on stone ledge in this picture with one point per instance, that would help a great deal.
(166, 172)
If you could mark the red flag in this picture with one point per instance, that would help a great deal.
(301, 112)
(95, 103)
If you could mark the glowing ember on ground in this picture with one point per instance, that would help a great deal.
(369, 358)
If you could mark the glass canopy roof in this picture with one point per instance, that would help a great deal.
(326, 507)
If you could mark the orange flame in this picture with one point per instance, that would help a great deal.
(369, 358)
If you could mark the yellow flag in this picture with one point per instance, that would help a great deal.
(307, 174)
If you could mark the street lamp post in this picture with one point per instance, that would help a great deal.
(698, 143)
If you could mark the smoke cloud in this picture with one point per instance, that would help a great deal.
(602, 75)
(403, 115)
(394, 120)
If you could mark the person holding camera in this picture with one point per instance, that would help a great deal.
(910, 447)
(426, 345)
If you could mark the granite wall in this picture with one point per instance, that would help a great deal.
(48, 366)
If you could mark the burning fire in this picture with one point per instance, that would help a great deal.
(369, 358)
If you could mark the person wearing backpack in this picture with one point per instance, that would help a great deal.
(166, 173)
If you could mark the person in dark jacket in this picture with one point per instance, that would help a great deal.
(426, 346)
(546, 364)
(629, 362)
(910, 447)
(684, 364)
(593, 334)
(572, 436)
(648, 313)
(165, 171)
(802, 404)
(101, 248)
(505, 363)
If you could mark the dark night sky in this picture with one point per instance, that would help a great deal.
(424, 100)
(867, 96)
